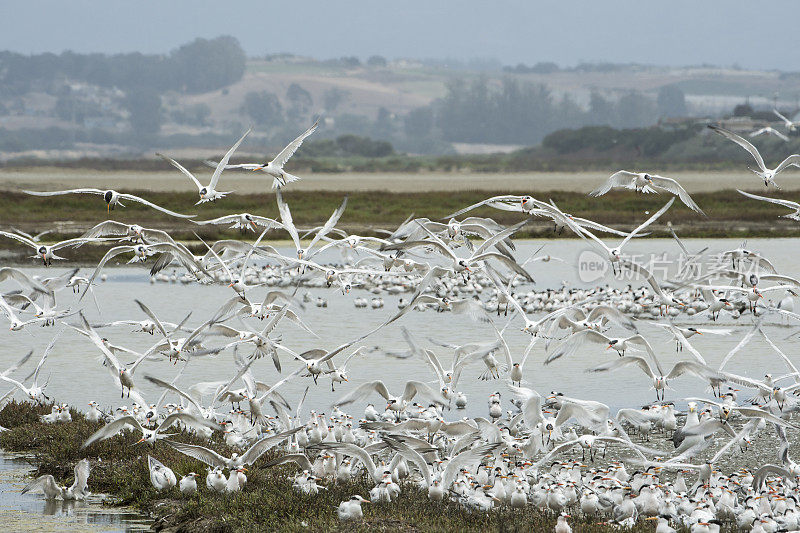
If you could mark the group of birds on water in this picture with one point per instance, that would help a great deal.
(525, 456)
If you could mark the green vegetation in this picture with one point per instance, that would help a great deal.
(268, 502)
(729, 214)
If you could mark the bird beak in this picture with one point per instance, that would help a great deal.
(230, 284)
(699, 333)
(140, 440)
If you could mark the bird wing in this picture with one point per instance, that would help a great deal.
(298, 458)
(221, 220)
(746, 382)
(46, 480)
(362, 391)
(224, 161)
(669, 184)
(113, 252)
(793, 159)
(611, 313)
(532, 406)
(709, 427)
(625, 361)
(575, 341)
(81, 472)
(265, 444)
(742, 343)
(153, 317)
(411, 455)
(44, 355)
(163, 384)
(353, 451)
(777, 350)
(70, 191)
(498, 202)
(622, 178)
(182, 169)
(691, 367)
(292, 147)
(135, 198)
(466, 459)
(744, 143)
(583, 416)
(647, 222)
(110, 358)
(22, 278)
(417, 387)
(761, 474)
(499, 237)
(111, 429)
(209, 457)
(510, 263)
(21, 239)
(472, 308)
(785, 120)
(286, 218)
(330, 224)
(755, 412)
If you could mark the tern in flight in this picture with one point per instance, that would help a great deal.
(208, 193)
(766, 174)
(111, 197)
(275, 167)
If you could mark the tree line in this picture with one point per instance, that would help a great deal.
(200, 66)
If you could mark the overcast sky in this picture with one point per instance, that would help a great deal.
(678, 32)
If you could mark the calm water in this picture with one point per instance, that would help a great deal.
(76, 377)
(31, 512)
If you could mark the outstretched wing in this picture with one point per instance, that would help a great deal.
(623, 178)
(182, 169)
(744, 143)
(292, 147)
(224, 161)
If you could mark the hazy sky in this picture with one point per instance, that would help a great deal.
(677, 32)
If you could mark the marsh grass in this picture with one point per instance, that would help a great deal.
(729, 213)
(267, 503)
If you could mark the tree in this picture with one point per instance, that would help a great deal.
(144, 106)
(376, 62)
(743, 110)
(300, 101)
(333, 97)
(601, 111)
(634, 110)
(263, 108)
(206, 65)
(383, 127)
(419, 122)
(671, 101)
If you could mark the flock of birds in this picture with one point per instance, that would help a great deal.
(526, 456)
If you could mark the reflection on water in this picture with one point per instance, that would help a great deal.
(27, 512)
(76, 377)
